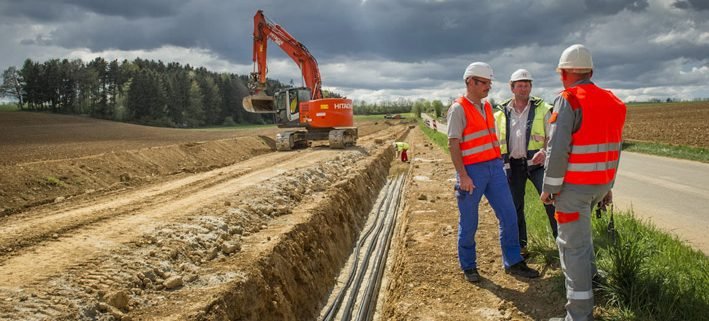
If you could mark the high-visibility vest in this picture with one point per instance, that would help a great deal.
(400, 146)
(479, 142)
(595, 146)
(535, 134)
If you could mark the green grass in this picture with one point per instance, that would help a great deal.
(8, 107)
(651, 275)
(674, 151)
(438, 138)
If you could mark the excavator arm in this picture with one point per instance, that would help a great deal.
(264, 30)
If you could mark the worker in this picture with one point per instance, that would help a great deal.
(401, 150)
(475, 153)
(521, 122)
(582, 159)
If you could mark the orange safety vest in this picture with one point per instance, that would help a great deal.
(479, 142)
(595, 146)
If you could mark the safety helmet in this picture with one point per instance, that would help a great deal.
(575, 57)
(521, 74)
(478, 69)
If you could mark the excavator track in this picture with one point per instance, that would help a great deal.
(342, 137)
(291, 139)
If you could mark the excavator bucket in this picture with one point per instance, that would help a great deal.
(259, 103)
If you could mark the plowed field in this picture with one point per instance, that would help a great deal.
(673, 123)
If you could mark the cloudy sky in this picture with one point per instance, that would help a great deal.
(385, 49)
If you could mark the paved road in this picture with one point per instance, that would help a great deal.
(671, 193)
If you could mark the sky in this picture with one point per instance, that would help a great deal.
(379, 50)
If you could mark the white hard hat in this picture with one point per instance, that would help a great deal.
(575, 57)
(478, 69)
(521, 74)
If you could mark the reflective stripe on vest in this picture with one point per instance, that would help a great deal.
(596, 144)
(479, 142)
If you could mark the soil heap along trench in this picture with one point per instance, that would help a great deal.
(267, 246)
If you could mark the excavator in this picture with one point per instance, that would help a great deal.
(303, 111)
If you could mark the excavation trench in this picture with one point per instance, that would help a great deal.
(288, 269)
(262, 239)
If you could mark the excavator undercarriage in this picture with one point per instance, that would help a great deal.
(301, 138)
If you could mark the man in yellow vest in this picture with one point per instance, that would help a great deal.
(582, 159)
(521, 122)
(475, 153)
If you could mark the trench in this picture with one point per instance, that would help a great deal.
(293, 279)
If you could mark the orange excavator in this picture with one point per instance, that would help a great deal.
(303, 110)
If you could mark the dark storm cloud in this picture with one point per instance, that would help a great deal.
(54, 10)
(615, 6)
(695, 4)
(424, 41)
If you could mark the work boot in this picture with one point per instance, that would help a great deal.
(471, 275)
(521, 269)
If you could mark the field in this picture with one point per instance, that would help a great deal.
(684, 123)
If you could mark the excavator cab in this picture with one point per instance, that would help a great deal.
(287, 105)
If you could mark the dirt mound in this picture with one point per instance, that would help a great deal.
(34, 183)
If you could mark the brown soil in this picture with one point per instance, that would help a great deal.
(426, 282)
(157, 224)
(675, 123)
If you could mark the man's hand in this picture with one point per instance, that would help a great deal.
(546, 198)
(539, 157)
(466, 183)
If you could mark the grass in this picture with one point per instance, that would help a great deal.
(651, 275)
(8, 107)
(53, 181)
(675, 151)
(438, 138)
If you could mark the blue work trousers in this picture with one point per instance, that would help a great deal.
(489, 180)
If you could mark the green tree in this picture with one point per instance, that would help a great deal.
(13, 85)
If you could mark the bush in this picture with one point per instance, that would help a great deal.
(229, 121)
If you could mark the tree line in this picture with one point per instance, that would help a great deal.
(158, 94)
(140, 91)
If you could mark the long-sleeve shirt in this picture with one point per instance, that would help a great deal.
(567, 122)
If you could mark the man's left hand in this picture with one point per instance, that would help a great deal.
(539, 157)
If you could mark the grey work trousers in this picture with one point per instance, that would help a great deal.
(576, 246)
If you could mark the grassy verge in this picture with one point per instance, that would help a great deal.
(438, 138)
(651, 276)
(675, 151)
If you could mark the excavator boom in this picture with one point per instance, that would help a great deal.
(304, 110)
(259, 102)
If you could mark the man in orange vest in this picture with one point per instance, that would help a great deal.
(475, 152)
(582, 159)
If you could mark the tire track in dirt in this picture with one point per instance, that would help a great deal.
(53, 257)
(22, 230)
